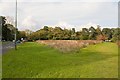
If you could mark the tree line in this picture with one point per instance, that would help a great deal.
(57, 33)
(7, 32)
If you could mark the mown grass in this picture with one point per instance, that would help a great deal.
(0, 65)
(0, 59)
(33, 60)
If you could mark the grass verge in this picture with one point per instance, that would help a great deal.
(33, 60)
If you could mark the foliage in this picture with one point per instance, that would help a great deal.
(101, 37)
(57, 33)
(107, 32)
(8, 30)
(116, 35)
(93, 33)
(21, 34)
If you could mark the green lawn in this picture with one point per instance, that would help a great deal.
(0, 60)
(33, 60)
(0, 65)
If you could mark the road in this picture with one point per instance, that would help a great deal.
(4, 47)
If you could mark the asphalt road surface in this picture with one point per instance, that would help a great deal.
(4, 47)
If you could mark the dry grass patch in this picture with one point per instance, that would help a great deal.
(118, 43)
(68, 45)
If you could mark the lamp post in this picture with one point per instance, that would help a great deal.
(16, 25)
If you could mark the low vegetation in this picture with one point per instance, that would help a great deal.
(0, 64)
(67, 46)
(33, 60)
(118, 43)
(89, 56)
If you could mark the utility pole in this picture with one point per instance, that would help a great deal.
(16, 25)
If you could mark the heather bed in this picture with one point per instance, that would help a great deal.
(67, 46)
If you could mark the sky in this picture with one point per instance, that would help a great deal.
(34, 14)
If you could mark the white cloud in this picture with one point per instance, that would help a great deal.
(88, 25)
(7, 9)
(60, 0)
(29, 23)
(10, 20)
(34, 15)
(77, 27)
(63, 25)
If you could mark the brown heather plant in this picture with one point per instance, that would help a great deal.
(66, 46)
(118, 43)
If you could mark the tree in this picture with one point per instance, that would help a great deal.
(98, 30)
(78, 34)
(93, 33)
(8, 30)
(85, 34)
(101, 37)
(66, 34)
(45, 28)
(5, 33)
(2, 23)
(116, 35)
(50, 33)
(2, 20)
(107, 32)
(21, 34)
(73, 34)
(57, 33)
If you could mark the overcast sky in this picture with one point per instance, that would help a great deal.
(34, 14)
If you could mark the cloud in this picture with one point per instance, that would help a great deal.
(77, 27)
(64, 25)
(7, 9)
(29, 23)
(34, 15)
(88, 25)
(60, 0)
